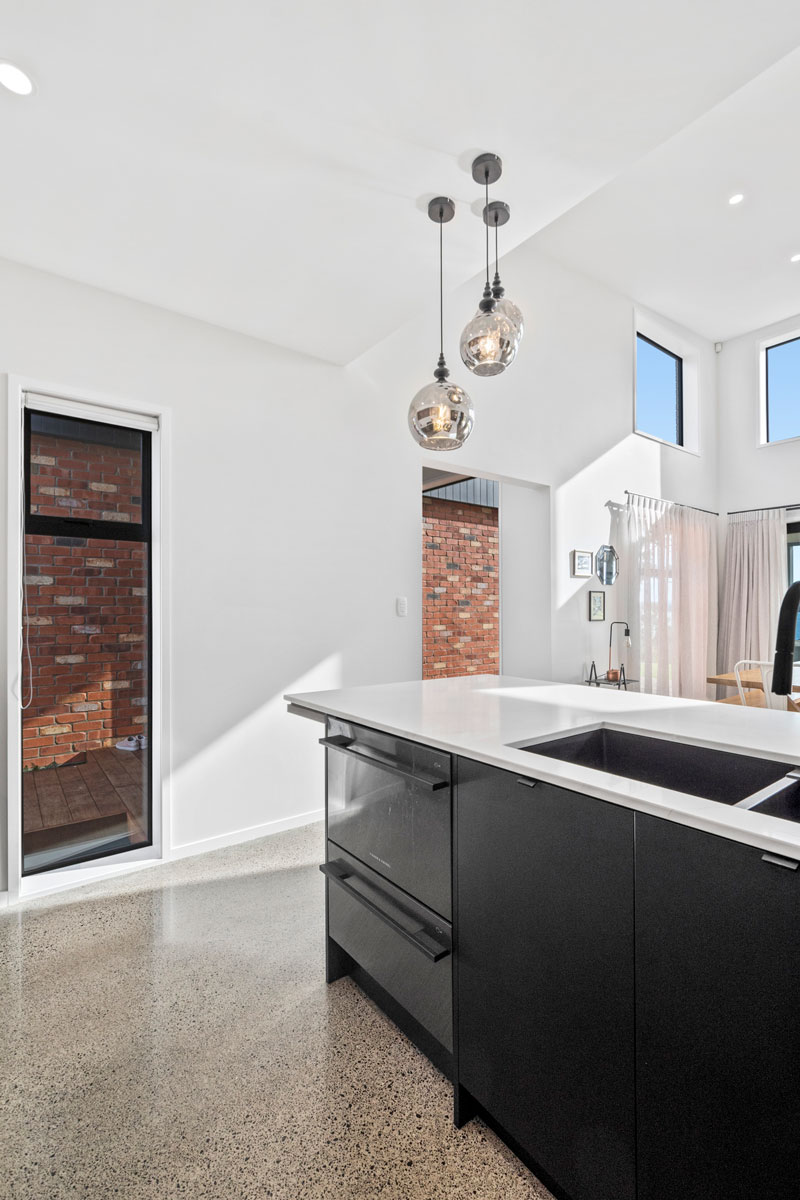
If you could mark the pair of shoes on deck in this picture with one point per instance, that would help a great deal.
(135, 742)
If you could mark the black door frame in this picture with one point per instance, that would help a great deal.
(71, 527)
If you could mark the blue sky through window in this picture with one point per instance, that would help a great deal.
(783, 391)
(658, 392)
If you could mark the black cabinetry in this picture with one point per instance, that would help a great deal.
(718, 1017)
(626, 989)
(545, 991)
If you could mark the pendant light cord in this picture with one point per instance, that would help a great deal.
(486, 223)
(496, 260)
(441, 287)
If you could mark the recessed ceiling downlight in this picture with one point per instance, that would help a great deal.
(15, 80)
(737, 199)
(795, 258)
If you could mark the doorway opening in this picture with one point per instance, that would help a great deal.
(460, 575)
(86, 641)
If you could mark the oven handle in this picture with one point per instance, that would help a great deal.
(419, 938)
(345, 746)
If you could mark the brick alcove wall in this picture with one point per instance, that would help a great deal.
(460, 589)
(86, 611)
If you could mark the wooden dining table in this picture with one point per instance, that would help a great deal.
(753, 684)
(750, 679)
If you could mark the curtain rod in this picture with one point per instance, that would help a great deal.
(659, 500)
(770, 508)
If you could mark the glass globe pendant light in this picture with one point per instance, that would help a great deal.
(498, 213)
(441, 416)
(490, 340)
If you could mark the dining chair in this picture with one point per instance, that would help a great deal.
(765, 669)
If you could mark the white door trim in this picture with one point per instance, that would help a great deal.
(74, 402)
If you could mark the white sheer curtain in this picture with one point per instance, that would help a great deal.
(755, 582)
(668, 573)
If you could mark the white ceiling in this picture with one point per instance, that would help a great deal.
(664, 233)
(431, 478)
(265, 166)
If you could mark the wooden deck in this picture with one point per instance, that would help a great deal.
(110, 784)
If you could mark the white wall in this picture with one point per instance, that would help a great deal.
(562, 417)
(296, 520)
(752, 475)
(525, 599)
(296, 507)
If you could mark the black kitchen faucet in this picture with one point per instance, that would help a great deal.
(784, 646)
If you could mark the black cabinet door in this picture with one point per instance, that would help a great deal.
(718, 1018)
(545, 974)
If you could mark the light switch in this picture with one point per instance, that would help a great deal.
(401, 604)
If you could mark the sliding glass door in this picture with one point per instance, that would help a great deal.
(86, 649)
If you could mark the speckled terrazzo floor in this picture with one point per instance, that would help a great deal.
(170, 1034)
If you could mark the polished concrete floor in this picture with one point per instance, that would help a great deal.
(170, 1034)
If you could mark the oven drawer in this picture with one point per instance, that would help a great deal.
(389, 805)
(402, 945)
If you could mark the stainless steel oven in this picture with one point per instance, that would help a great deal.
(388, 805)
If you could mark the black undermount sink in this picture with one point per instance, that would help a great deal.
(713, 774)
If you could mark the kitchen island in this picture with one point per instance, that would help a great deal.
(607, 964)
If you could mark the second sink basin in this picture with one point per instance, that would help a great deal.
(712, 774)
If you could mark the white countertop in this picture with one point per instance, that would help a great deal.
(482, 716)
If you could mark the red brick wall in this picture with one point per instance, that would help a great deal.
(460, 589)
(86, 620)
(80, 479)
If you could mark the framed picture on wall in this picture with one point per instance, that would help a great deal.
(582, 564)
(597, 606)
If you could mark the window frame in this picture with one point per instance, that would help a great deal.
(774, 345)
(89, 527)
(680, 444)
(53, 396)
(94, 528)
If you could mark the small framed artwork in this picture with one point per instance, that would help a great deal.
(597, 606)
(582, 564)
